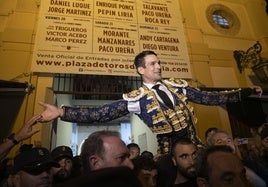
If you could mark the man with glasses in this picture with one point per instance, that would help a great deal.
(32, 168)
(220, 137)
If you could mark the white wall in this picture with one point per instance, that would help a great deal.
(64, 129)
(139, 128)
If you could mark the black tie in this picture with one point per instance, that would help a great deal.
(163, 96)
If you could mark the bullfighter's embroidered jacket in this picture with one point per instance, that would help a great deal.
(163, 121)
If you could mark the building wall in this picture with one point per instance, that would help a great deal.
(209, 51)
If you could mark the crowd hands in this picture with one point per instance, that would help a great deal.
(24, 133)
(105, 160)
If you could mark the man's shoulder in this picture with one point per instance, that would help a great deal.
(134, 95)
(175, 82)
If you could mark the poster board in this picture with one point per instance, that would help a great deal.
(103, 36)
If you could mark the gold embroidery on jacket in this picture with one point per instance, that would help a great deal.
(170, 120)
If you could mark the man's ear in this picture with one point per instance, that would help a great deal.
(174, 161)
(201, 182)
(140, 70)
(94, 161)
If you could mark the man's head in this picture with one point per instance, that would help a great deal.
(183, 157)
(146, 170)
(62, 155)
(103, 149)
(148, 66)
(147, 154)
(209, 132)
(134, 150)
(32, 168)
(220, 137)
(217, 166)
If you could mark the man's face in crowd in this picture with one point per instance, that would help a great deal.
(134, 152)
(226, 170)
(152, 71)
(184, 159)
(115, 154)
(24, 179)
(65, 169)
(148, 178)
(223, 139)
(264, 142)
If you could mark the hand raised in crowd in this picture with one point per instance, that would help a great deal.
(26, 131)
(50, 112)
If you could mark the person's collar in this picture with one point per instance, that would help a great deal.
(150, 85)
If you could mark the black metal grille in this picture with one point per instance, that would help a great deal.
(94, 87)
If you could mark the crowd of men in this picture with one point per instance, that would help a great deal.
(105, 160)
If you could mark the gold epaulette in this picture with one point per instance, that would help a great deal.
(134, 95)
(176, 82)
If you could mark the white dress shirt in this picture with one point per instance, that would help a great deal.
(134, 106)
